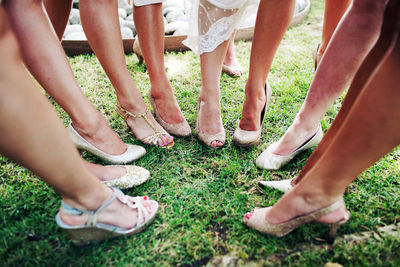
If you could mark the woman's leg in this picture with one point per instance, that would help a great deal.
(150, 30)
(32, 135)
(46, 60)
(359, 81)
(274, 15)
(352, 41)
(209, 117)
(333, 13)
(58, 12)
(100, 22)
(369, 130)
(230, 59)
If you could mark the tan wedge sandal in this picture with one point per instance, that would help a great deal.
(151, 139)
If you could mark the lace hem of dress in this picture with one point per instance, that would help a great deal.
(219, 32)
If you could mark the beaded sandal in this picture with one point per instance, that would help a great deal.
(96, 231)
(151, 139)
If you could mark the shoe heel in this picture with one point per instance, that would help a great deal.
(81, 237)
(333, 227)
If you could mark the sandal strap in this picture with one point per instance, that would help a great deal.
(125, 114)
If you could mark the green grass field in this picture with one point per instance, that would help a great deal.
(203, 193)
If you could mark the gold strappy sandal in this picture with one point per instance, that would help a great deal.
(151, 139)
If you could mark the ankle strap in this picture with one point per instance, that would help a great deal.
(92, 214)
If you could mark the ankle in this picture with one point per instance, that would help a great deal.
(88, 125)
(305, 123)
(91, 201)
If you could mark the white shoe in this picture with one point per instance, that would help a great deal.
(282, 185)
(269, 161)
(132, 153)
(134, 176)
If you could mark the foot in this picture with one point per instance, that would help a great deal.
(252, 107)
(209, 120)
(232, 63)
(292, 205)
(98, 133)
(140, 127)
(297, 134)
(116, 214)
(166, 103)
(105, 173)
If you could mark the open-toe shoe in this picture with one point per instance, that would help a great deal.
(205, 138)
(151, 139)
(97, 231)
(258, 221)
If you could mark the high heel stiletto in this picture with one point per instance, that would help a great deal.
(151, 139)
(258, 221)
(207, 139)
(181, 129)
(248, 138)
(270, 161)
(132, 153)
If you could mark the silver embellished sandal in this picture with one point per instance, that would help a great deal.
(151, 139)
(96, 231)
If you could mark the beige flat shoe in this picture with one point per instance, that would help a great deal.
(132, 152)
(258, 221)
(134, 176)
(181, 129)
(151, 139)
(248, 138)
(269, 161)
(282, 185)
(233, 71)
(207, 139)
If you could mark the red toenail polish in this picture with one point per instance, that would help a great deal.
(145, 198)
(248, 215)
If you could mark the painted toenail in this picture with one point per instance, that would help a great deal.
(145, 198)
(248, 215)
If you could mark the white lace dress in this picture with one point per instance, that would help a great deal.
(212, 22)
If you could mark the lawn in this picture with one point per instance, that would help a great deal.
(203, 193)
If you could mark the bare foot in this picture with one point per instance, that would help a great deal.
(209, 119)
(252, 107)
(166, 103)
(231, 62)
(116, 213)
(98, 133)
(140, 127)
(297, 134)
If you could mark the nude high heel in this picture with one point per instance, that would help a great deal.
(207, 139)
(178, 129)
(258, 221)
(248, 138)
(151, 139)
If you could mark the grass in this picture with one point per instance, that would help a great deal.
(204, 193)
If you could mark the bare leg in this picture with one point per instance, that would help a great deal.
(99, 17)
(209, 117)
(58, 12)
(359, 81)
(50, 67)
(150, 29)
(369, 131)
(352, 41)
(333, 13)
(230, 59)
(274, 15)
(32, 135)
